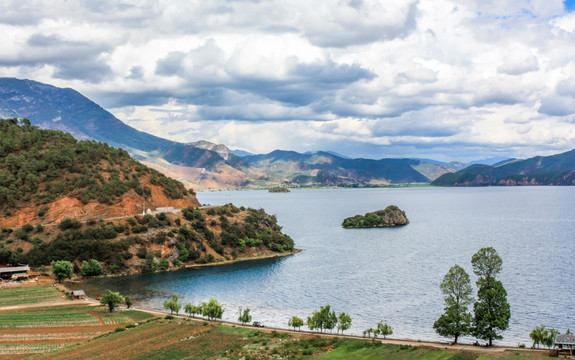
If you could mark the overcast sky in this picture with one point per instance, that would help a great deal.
(449, 80)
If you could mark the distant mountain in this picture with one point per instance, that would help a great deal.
(323, 168)
(202, 164)
(540, 170)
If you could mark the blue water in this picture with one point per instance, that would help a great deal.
(391, 274)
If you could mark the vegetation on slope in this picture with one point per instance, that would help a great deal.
(38, 166)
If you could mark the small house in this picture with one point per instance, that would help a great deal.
(78, 294)
(565, 344)
(14, 272)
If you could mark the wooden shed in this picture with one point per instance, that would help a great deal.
(14, 272)
(565, 344)
(78, 294)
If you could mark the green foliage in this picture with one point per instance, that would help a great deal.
(343, 322)
(42, 165)
(383, 329)
(456, 320)
(192, 309)
(91, 267)
(321, 320)
(244, 315)
(111, 299)
(128, 300)
(212, 309)
(62, 270)
(492, 311)
(163, 265)
(68, 223)
(390, 216)
(173, 304)
(295, 322)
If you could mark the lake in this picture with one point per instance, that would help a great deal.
(390, 274)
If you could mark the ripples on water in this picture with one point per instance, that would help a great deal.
(391, 274)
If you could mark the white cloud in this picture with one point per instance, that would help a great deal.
(448, 78)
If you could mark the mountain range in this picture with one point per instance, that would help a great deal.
(204, 165)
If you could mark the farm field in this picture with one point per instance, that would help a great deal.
(78, 330)
(36, 328)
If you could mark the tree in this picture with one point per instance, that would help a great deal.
(245, 316)
(91, 268)
(192, 309)
(383, 329)
(128, 300)
(486, 263)
(62, 270)
(456, 320)
(549, 340)
(322, 319)
(111, 299)
(368, 332)
(537, 335)
(173, 304)
(492, 311)
(343, 322)
(295, 322)
(212, 309)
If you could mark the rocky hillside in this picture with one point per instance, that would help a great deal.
(64, 199)
(540, 170)
(47, 175)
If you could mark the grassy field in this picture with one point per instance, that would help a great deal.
(28, 295)
(80, 331)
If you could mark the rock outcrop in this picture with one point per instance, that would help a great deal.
(389, 217)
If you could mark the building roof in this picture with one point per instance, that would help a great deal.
(14, 269)
(565, 339)
(78, 292)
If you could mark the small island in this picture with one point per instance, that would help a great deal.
(279, 189)
(389, 217)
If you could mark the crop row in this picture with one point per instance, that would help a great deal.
(28, 295)
(113, 320)
(49, 336)
(30, 348)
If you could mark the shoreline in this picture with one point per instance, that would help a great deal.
(393, 341)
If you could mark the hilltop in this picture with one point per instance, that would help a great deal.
(56, 193)
(540, 170)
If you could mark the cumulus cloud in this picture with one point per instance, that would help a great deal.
(367, 78)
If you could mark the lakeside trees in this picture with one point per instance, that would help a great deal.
(62, 270)
(244, 316)
(111, 299)
(491, 309)
(456, 320)
(173, 304)
(295, 322)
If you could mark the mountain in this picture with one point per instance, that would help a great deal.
(201, 164)
(327, 169)
(64, 199)
(67, 110)
(540, 170)
(47, 175)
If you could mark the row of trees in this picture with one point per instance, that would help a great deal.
(491, 309)
(212, 309)
(63, 270)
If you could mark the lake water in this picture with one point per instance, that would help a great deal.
(391, 274)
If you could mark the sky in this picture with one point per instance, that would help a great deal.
(448, 80)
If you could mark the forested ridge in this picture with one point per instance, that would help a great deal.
(38, 166)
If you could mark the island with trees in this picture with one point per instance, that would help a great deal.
(279, 189)
(389, 217)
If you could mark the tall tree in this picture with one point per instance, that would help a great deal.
(492, 311)
(383, 329)
(91, 267)
(192, 309)
(456, 320)
(62, 270)
(111, 299)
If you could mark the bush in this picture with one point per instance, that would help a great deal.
(68, 223)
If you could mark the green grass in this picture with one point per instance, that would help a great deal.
(28, 295)
(67, 315)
